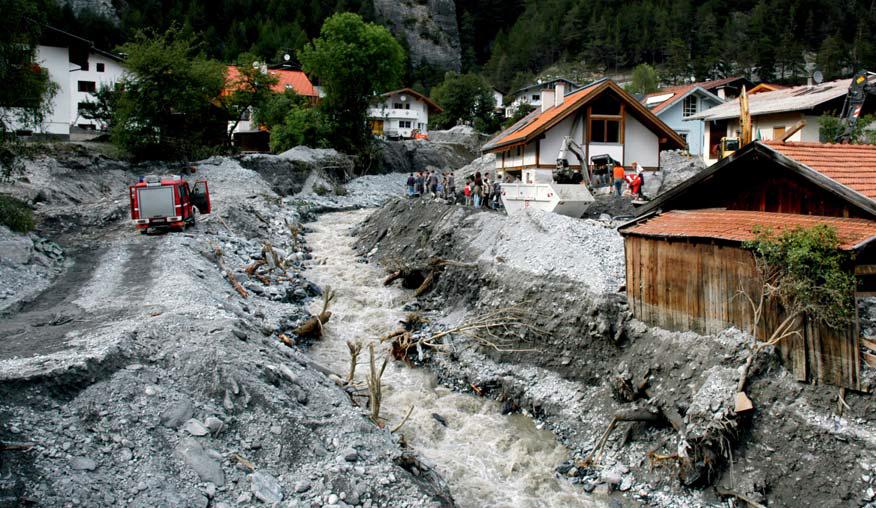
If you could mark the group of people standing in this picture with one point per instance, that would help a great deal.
(431, 182)
(479, 191)
(482, 191)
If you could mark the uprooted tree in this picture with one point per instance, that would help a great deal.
(803, 275)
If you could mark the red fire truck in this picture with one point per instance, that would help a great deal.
(167, 202)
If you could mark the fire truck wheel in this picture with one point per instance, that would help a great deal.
(144, 231)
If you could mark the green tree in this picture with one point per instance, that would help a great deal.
(465, 98)
(102, 108)
(248, 89)
(302, 125)
(25, 100)
(830, 127)
(273, 111)
(169, 107)
(806, 272)
(832, 56)
(353, 60)
(644, 80)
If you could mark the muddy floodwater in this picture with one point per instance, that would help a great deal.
(486, 458)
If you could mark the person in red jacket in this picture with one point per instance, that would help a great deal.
(635, 182)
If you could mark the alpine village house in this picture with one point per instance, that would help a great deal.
(601, 117)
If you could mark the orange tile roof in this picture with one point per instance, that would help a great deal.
(676, 91)
(541, 120)
(853, 166)
(286, 80)
(738, 225)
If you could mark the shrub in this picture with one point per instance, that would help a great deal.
(16, 215)
(808, 272)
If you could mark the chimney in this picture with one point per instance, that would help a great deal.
(721, 93)
(547, 99)
(560, 91)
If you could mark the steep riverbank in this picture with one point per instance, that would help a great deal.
(589, 362)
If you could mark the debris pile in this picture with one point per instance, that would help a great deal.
(156, 381)
(648, 414)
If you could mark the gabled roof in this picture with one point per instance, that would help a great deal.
(740, 225)
(435, 108)
(799, 98)
(547, 84)
(286, 80)
(846, 171)
(675, 94)
(766, 87)
(539, 121)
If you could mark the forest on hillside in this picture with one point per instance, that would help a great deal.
(510, 41)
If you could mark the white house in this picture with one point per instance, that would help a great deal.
(77, 69)
(602, 118)
(498, 97)
(401, 114)
(676, 105)
(531, 94)
(101, 69)
(774, 112)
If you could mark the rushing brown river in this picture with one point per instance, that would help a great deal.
(486, 458)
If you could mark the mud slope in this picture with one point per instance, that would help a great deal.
(141, 377)
(799, 448)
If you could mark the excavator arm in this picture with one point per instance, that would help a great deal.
(859, 89)
(569, 145)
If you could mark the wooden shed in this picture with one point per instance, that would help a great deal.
(686, 265)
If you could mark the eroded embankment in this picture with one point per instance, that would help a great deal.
(685, 445)
(143, 377)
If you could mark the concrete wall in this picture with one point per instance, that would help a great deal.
(640, 144)
(553, 140)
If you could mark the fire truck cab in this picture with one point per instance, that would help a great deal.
(167, 202)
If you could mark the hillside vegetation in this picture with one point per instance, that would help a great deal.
(511, 40)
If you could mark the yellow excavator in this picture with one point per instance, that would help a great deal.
(729, 146)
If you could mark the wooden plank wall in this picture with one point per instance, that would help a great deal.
(693, 285)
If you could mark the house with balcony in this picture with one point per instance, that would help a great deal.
(401, 114)
(602, 118)
(676, 105)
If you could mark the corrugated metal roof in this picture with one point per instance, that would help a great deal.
(799, 98)
(739, 225)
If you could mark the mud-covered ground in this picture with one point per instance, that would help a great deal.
(591, 360)
(132, 373)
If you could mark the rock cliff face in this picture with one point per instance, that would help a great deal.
(429, 28)
(102, 7)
